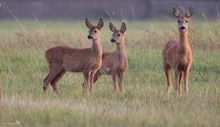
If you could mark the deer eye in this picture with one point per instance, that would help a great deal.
(118, 35)
(186, 21)
(178, 21)
(95, 31)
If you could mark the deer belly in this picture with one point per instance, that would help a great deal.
(73, 67)
(105, 71)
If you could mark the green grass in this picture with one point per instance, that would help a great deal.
(143, 101)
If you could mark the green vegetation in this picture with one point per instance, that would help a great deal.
(143, 101)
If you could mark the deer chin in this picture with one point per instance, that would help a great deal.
(182, 30)
(118, 43)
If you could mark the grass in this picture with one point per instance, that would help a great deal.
(143, 101)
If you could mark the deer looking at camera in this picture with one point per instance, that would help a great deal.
(178, 54)
(88, 60)
(115, 63)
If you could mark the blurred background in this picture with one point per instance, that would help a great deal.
(114, 9)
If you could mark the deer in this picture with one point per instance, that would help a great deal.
(86, 60)
(177, 55)
(115, 63)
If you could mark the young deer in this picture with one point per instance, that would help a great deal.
(178, 55)
(88, 60)
(115, 63)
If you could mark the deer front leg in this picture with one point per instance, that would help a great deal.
(92, 80)
(177, 77)
(114, 81)
(186, 74)
(120, 78)
(86, 75)
(180, 77)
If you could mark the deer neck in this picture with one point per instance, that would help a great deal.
(97, 48)
(121, 52)
(184, 44)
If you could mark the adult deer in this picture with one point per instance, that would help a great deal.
(115, 63)
(178, 54)
(87, 60)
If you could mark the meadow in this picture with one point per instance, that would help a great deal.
(143, 101)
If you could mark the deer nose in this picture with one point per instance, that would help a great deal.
(182, 28)
(113, 40)
(90, 37)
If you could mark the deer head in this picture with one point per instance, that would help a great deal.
(182, 20)
(94, 31)
(118, 35)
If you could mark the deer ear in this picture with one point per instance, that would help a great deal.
(112, 27)
(189, 13)
(100, 24)
(176, 12)
(123, 27)
(88, 23)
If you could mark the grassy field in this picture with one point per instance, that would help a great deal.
(143, 101)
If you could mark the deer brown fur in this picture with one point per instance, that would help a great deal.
(115, 63)
(178, 54)
(88, 60)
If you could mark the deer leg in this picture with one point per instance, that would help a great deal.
(55, 81)
(177, 77)
(92, 80)
(114, 81)
(51, 75)
(96, 76)
(120, 78)
(83, 85)
(180, 77)
(169, 81)
(186, 74)
(87, 80)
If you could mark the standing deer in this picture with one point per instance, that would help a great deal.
(115, 63)
(88, 60)
(178, 54)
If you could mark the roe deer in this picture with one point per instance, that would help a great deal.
(88, 60)
(178, 54)
(115, 63)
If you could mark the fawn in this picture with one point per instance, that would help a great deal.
(178, 54)
(87, 60)
(115, 63)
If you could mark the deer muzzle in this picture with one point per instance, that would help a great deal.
(113, 40)
(90, 37)
(182, 28)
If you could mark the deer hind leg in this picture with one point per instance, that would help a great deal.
(83, 85)
(53, 72)
(55, 81)
(168, 76)
(96, 76)
(114, 79)
(120, 78)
